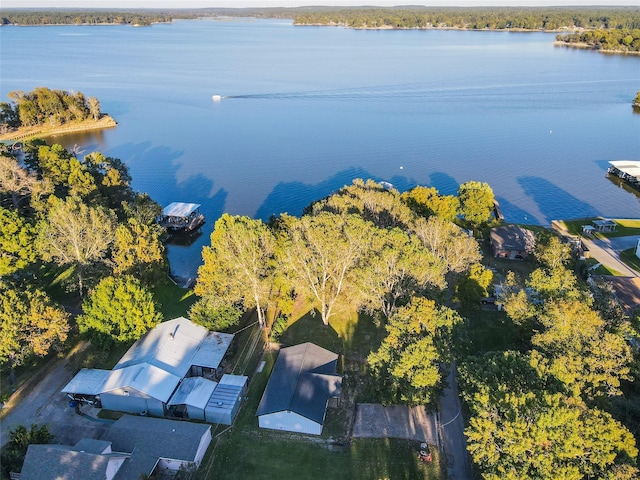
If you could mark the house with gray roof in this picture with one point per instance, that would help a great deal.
(302, 383)
(512, 241)
(149, 373)
(87, 460)
(158, 444)
(133, 446)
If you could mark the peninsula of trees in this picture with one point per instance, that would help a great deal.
(621, 40)
(45, 111)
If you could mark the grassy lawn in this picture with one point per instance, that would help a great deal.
(174, 301)
(486, 330)
(629, 257)
(625, 227)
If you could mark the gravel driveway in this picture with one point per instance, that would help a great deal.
(399, 421)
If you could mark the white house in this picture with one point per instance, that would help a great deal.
(301, 385)
(147, 376)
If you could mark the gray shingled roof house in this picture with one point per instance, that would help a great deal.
(86, 460)
(302, 382)
(133, 446)
(512, 241)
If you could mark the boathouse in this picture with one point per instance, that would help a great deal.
(178, 216)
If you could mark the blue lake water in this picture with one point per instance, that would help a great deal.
(308, 109)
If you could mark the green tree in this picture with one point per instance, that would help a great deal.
(76, 235)
(448, 243)
(118, 309)
(476, 202)
(213, 314)
(407, 364)
(322, 254)
(239, 265)
(474, 286)
(30, 324)
(551, 252)
(398, 267)
(16, 449)
(426, 201)
(578, 350)
(17, 237)
(371, 201)
(15, 180)
(137, 250)
(546, 435)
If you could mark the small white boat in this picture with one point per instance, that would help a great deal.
(216, 98)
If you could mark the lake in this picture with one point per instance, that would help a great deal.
(305, 110)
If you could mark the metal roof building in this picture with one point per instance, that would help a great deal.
(148, 374)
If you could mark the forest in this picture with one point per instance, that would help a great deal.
(45, 107)
(83, 17)
(478, 18)
(481, 18)
(615, 40)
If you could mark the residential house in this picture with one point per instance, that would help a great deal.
(133, 447)
(302, 384)
(512, 241)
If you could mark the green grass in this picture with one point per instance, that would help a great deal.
(625, 227)
(488, 330)
(174, 301)
(629, 258)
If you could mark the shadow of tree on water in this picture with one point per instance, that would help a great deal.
(555, 202)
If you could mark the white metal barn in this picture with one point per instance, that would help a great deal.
(302, 382)
(147, 376)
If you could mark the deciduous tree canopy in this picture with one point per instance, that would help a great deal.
(118, 309)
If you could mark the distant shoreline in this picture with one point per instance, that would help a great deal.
(40, 131)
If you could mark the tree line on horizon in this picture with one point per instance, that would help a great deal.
(526, 18)
(477, 18)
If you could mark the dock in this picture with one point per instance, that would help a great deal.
(627, 170)
(181, 217)
(497, 211)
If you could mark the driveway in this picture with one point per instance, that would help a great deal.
(454, 441)
(607, 252)
(41, 402)
(397, 421)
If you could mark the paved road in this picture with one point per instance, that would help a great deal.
(397, 421)
(41, 402)
(607, 252)
(454, 442)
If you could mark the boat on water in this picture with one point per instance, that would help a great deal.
(181, 217)
(216, 98)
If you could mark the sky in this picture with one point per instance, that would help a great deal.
(292, 3)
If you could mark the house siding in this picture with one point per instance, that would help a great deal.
(135, 402)
(289, 421)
